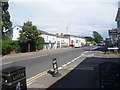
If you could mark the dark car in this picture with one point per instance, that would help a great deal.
(99, 43)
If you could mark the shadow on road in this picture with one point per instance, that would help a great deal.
(85, 75)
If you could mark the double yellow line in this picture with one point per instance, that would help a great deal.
(36, 76)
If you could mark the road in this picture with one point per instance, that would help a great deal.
(42, 61)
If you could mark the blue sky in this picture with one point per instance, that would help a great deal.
(82, 17)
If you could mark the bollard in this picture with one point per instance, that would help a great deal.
(55, 72)
(14, 78)
(55, 67)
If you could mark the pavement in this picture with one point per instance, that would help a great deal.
(82, 72)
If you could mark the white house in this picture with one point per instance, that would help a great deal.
(16, 32)
(83, 41)
(64, 40)
(58, 41)
(49, 40)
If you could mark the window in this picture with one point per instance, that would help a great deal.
(17, 28)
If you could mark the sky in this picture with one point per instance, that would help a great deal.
(76, 17)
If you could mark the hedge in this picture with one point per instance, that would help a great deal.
(40, 43)
(9, 45)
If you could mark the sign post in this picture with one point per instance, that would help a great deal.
(113, 32)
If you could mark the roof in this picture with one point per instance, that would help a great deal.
(17, 26)
(67, 35)
(46, 33)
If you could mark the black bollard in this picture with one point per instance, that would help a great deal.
(55, 72)
(14, 78)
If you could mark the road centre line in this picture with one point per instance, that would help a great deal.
(69, 63)
(64, 65)
(5, 63)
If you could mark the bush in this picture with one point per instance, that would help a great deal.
(9, 45)
(40, 43)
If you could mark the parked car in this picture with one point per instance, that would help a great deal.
(100, 43)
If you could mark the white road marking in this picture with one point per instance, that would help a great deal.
(68, 63)
(5, 63)
(64, 65)
(31, 82)
(72, 61)
(59, 68)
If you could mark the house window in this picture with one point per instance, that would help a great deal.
(17, 28)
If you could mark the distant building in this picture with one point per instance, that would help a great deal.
(73, 40)
(64, 40)
(49, 40)
(118, 24)
(16, 32)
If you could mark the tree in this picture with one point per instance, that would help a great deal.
(6, 23)
(97, 36)
(40, 43)
(89, 39)
(29, 35)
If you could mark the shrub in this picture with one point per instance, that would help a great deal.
(9, 45)
(40, 43)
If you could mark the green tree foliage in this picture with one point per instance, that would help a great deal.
(29, 35)
(9, 45)
(97, 36)
(5, 37)
(6, 23)
(40, 43)
(89, 39)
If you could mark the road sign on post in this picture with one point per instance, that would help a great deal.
(14, 78)
(55, 67)
(113, 32)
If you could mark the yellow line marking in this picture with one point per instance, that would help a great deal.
(37, 76)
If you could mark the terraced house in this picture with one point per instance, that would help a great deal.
(52, 41)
